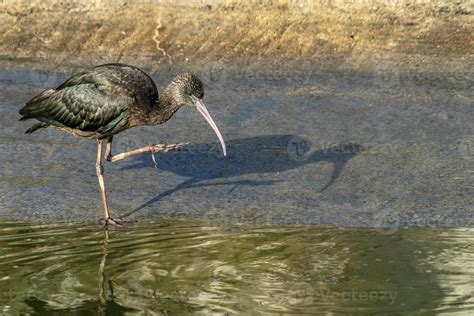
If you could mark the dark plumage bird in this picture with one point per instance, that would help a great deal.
(109, 99)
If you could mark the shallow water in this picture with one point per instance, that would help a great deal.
(182, 267)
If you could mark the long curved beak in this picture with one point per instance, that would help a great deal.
(202, 109)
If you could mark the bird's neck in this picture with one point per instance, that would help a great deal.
(165, 107)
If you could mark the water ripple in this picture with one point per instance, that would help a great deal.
(185, 268)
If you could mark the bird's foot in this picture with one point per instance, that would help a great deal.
(154, 159)
(112, 222)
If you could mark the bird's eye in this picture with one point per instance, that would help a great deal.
(201, 95)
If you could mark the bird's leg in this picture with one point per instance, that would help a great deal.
(151, 149)
(100, 175)
(108, 149)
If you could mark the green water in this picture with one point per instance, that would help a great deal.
(178, 267)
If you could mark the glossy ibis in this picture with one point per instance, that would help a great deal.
(111, 98)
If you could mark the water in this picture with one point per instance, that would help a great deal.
(182, 267)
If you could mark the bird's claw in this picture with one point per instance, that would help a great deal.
(112, 222)
(153, 157)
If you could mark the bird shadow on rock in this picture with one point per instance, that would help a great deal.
(252, 155)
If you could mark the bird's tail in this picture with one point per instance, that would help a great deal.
(36, 127)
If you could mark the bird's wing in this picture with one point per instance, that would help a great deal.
(81, 103)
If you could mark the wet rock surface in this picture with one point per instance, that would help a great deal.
(323, 146)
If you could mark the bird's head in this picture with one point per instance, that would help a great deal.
(188, 90)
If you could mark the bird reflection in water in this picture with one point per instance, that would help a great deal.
(106, 303)
(102, 276)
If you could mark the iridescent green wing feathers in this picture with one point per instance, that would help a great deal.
(84, 103)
